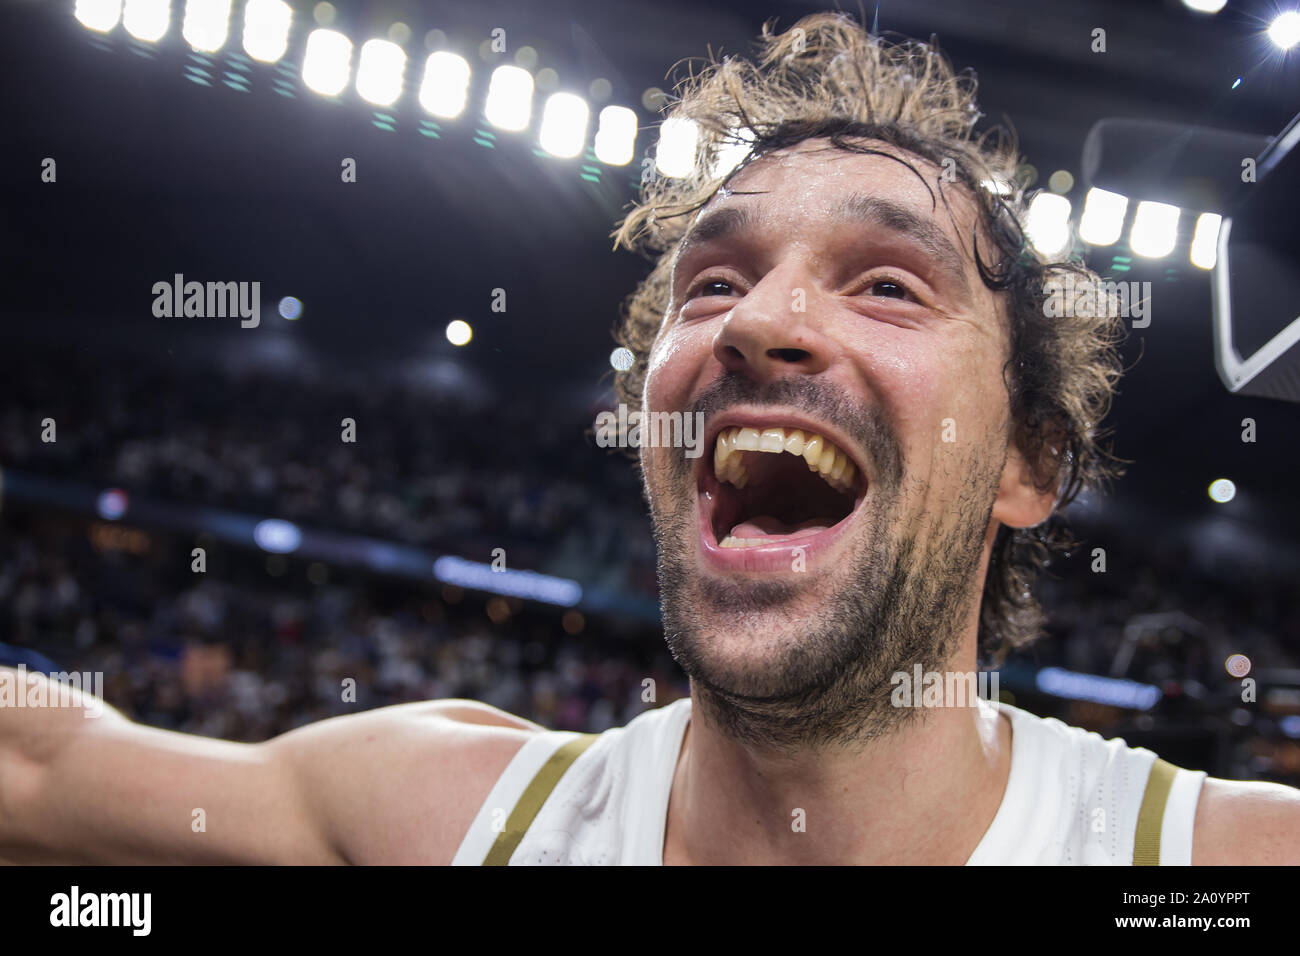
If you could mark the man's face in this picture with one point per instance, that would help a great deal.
(829, 299)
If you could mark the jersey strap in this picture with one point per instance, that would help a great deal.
(531, 800)
(1146, 839)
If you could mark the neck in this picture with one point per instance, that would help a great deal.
(922, 794)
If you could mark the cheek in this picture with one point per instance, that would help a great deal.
(678, 359)
(940, 396)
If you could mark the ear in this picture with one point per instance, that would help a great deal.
(1020, 502)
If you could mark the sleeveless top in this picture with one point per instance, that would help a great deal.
(1072, 798)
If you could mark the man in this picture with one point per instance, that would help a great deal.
(891, 416)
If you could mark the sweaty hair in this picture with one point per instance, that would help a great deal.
(828, 78)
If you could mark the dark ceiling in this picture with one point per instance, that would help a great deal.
(159, 175)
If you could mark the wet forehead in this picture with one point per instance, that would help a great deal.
(794, 192)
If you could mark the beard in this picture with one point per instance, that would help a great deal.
(904, 595)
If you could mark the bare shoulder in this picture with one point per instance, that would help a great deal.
(401, 784)
(1243, 823)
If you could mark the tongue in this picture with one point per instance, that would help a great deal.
(765, 526)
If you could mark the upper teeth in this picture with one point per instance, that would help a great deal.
(822, 455)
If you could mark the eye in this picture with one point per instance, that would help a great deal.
(888, 289)
(713, 287)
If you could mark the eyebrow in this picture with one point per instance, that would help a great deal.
(858, 209)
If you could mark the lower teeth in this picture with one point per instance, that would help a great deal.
(731, 541)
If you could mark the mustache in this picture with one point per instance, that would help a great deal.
(869, 425)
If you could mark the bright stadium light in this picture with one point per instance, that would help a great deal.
(1222, 490)
(1047, 224)
(1205, 240)
(510, 98)
(564, 125)
(615, 136)
(445, 89)
(1284, 31)
(732, 151)
(675, 154)
(379, 74)
(1103, 217)
(266, 29)
(1205, 6)
(1155, 229)
(327, 64)
(147, 19)
(206, 24)
(98, 15)
(459, 332)
(276, 536)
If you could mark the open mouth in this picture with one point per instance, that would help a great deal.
(775, 486)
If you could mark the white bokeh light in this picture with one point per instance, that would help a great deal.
(147, 19)
(1222, 490)
(206, 25)
(445, 88)
(564, 125)
(510, 98)
(675, 154)
(379, 74)
(1205, 240)
(266, 29)
(1047, 224)
(459, 332)
(1155, 229)
(615, 136)
(1103, 217)
(327, 63)
(1284, 31)
(98, 15)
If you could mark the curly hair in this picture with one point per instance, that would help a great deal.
(828, 78)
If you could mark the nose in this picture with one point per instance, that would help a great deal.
(774, 330)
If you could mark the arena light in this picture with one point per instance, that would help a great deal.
(206, 24)
(510, 98)
(615, 136)
(147, 20)
(327, 63)
(445, 89)
(564, 125)
(98, 15)
(1222, 490)
(675, 154)
(522, 584)
(732, 151)
(459, 332)
(112, 504)
(1047, 224)
(622, 359)
(379, 74)
(1205, 240)
(1103, 217)
(1155, 229)
(276, 536)
(1112, 691)
(1284, 31)
(1205, 6)
(266, 29)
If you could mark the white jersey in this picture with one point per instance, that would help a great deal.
(1072, 798)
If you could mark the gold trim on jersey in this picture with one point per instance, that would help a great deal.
(530, 802)
(1151, 817)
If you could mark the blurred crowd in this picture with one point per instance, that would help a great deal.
(423, 468)
(241, 654)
